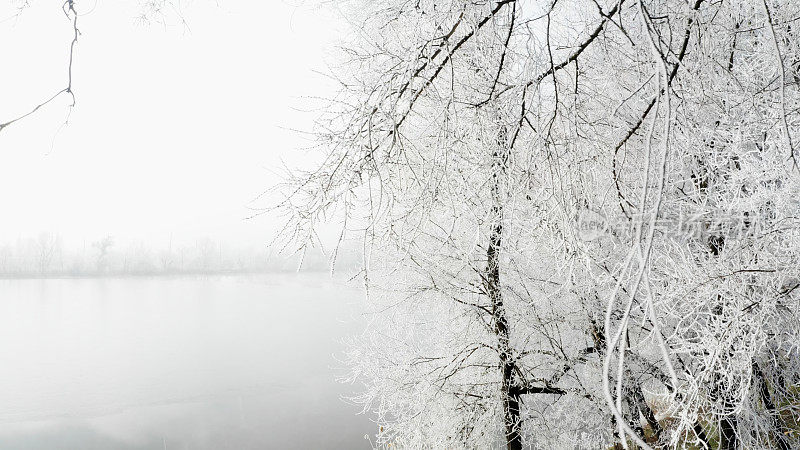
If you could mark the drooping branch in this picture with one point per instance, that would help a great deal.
(787, 135)
(672, 74)
(69, 10)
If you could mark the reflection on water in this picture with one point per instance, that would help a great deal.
(232, 362)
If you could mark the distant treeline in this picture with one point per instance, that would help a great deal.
(47, 256)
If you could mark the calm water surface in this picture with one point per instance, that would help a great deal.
(230, 362)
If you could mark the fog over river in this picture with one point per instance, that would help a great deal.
(237, 362)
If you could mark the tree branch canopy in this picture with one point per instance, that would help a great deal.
(612, 251)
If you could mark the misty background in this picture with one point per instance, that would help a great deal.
(185, 116)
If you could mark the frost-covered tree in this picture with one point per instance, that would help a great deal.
(478, 331)
(579, 220)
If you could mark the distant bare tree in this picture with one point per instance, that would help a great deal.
(6, 254)
(206, 251)
(48, 249)
(103, 248)
(167, 258)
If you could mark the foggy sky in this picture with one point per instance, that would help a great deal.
(175, 128)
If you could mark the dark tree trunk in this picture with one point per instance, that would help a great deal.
(507, 364)
(728, 439)
(769, 405)
(509, 392)
(643, 408)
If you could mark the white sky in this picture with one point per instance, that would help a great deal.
(175, 130)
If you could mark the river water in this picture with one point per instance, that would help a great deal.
(218, 362)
